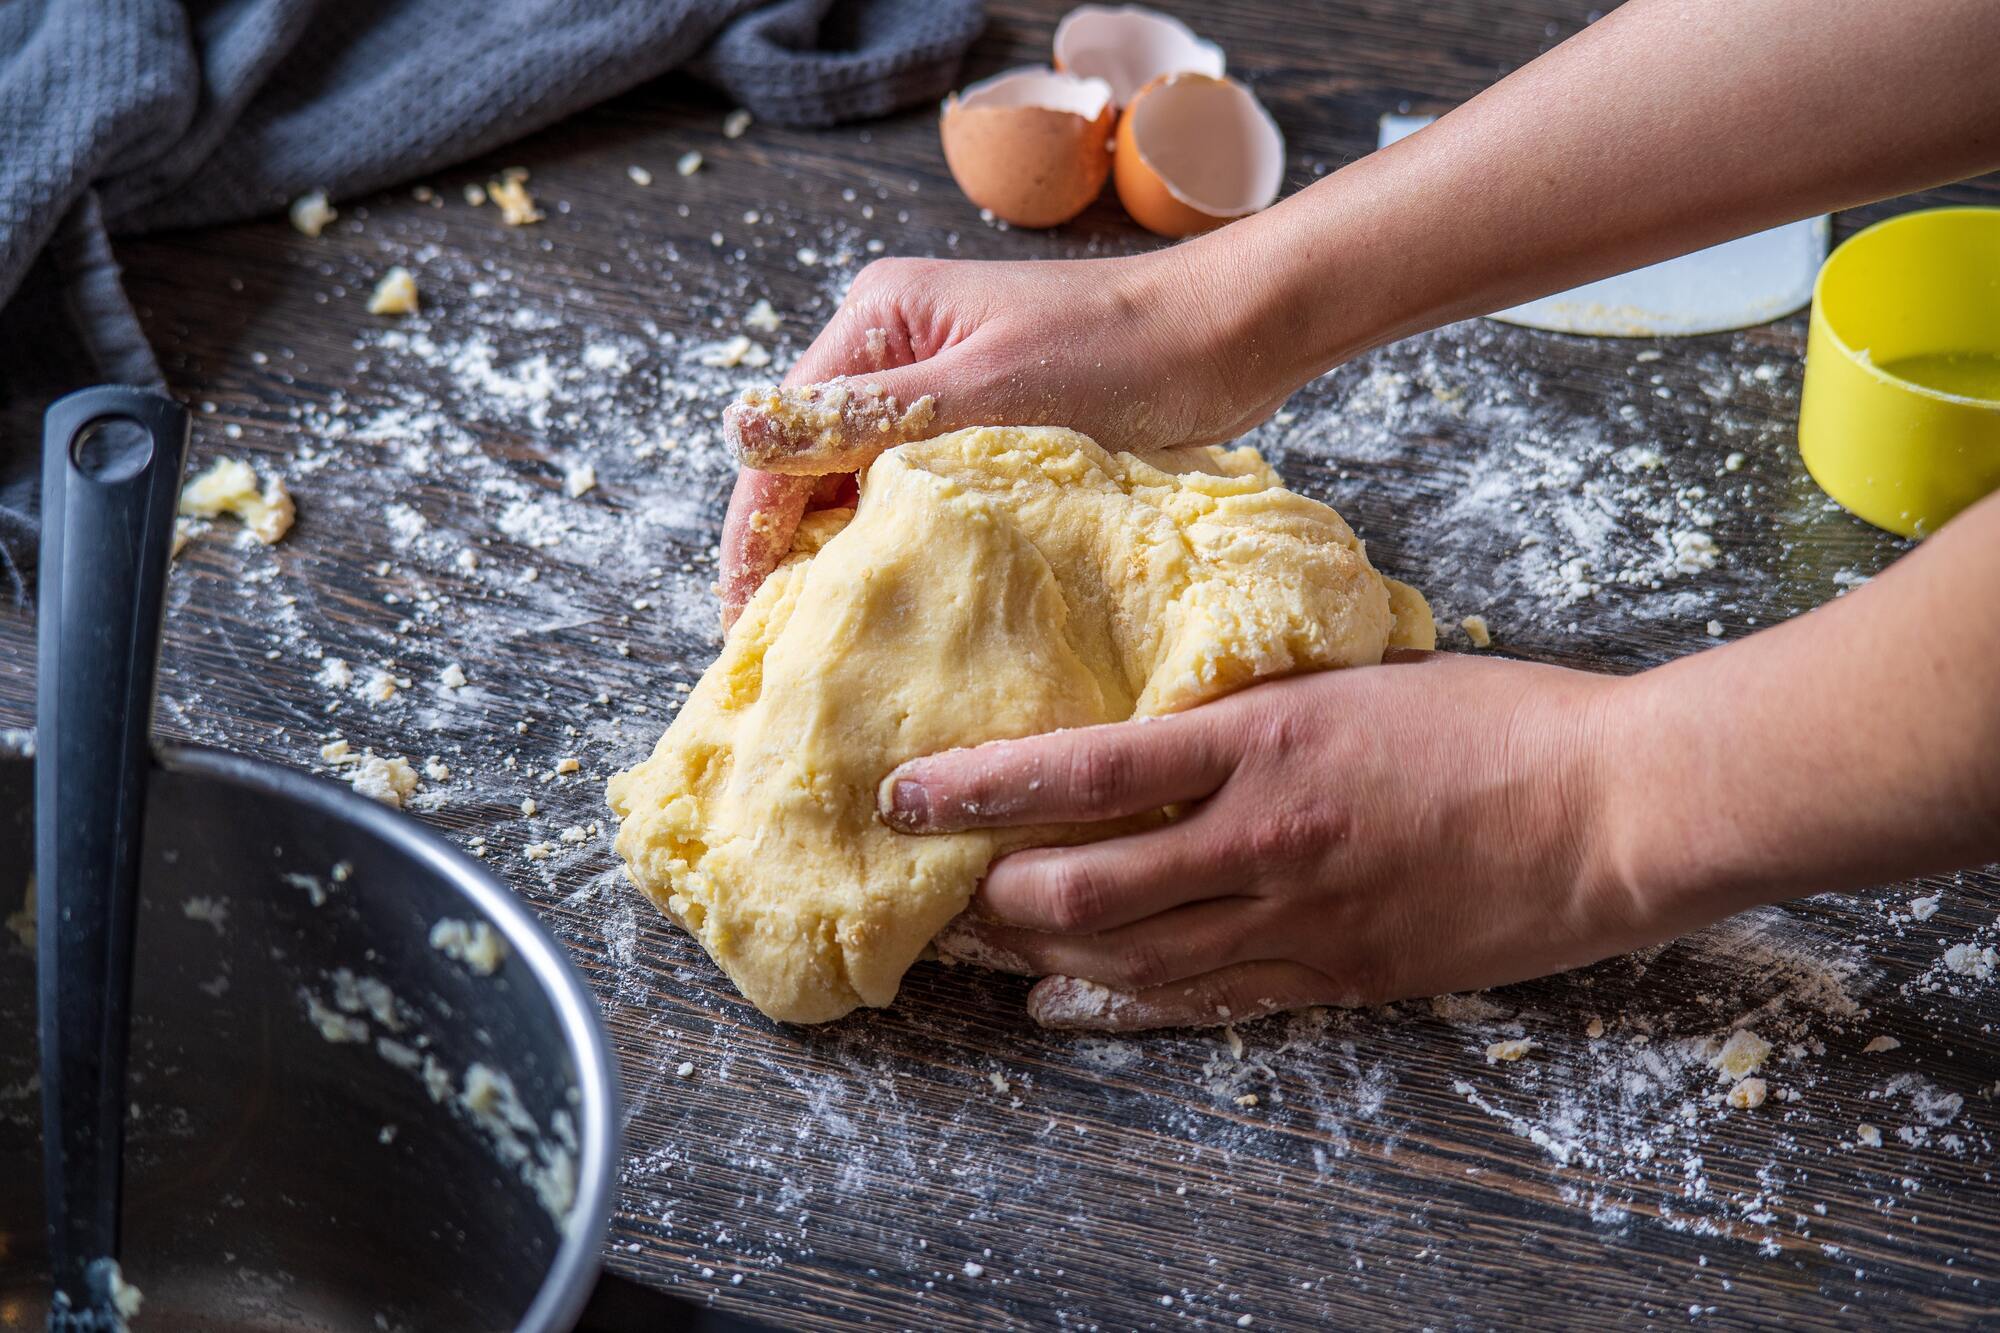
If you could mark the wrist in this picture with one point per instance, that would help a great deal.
(1665, 859)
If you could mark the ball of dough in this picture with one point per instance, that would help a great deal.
(992, 583)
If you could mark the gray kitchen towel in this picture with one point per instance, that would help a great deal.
(126, 116)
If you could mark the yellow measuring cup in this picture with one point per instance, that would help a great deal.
(1899, 419)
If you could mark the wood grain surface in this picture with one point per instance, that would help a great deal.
(944, 1164)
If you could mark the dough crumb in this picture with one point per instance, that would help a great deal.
(335, 673)
(1733, 463)
(528, 806)
(230, 487)
(1476, 629)
(1512, 1049)
(639, 175)
(737, 351)
(568, 764)
(1868, 1135)
(538, 851)
(1594, 1028)
(1923, 909)
(689, 163)
(395, 294)
(1741, 1056)
(1715, 629)
(685, 1069)
(452, 677)
(517, 206)
(381, 687)
(338, 751)
(1880, 1044)
(389, 781)
(762, 318)
(214, 912)
(579, 479)
(999, 1082)
(476, 944)
(475, 194)
(21, 923)
(311, 214)
(1747, 1095)
(1248, 1099)
(435, 769)
(735, 123)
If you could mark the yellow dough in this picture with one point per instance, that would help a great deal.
(992, 583)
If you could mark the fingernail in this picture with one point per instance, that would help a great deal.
(908, 807)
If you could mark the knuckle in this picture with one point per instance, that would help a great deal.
(1143, 964)
(1098, 776)
(1072, 894)
(1283, 836)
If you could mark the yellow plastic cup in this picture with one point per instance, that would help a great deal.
(1899, 419)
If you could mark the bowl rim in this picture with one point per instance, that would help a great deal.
(566, 1287)
(1915, 218)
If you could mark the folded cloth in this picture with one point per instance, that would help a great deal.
(125, 116)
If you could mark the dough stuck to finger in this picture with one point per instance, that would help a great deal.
(814, 429)
(992, 583)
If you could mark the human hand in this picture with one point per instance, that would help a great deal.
(1430, 825)
(1138, 353)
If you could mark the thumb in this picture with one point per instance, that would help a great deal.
(764, 512)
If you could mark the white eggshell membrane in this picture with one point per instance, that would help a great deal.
(1130, 46)
(1045, 88)
(1212, 144)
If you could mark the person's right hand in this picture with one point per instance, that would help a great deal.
(1138, 353)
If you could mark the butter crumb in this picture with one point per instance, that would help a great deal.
(1512, 1049)
(1476, 629)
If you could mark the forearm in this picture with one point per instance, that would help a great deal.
(1668, 126)
(1855, 745)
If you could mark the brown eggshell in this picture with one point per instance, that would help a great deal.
(1021, 145)
(1195, 152)
(1128, 46)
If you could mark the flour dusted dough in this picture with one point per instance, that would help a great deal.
(992, 583)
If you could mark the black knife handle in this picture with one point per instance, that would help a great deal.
(111, 475)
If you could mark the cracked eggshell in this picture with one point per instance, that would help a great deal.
(1031, 145)
(1129, 46)
(1195, 152)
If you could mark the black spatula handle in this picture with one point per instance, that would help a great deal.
(111, 473)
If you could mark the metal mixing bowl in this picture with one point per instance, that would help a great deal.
(307, 1148)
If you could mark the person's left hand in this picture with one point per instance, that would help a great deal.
(1433, 824)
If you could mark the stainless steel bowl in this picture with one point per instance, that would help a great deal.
(334, 1125)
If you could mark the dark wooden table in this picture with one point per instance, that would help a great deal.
(945, 1164)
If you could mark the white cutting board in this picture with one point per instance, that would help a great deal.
(1751, 280)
